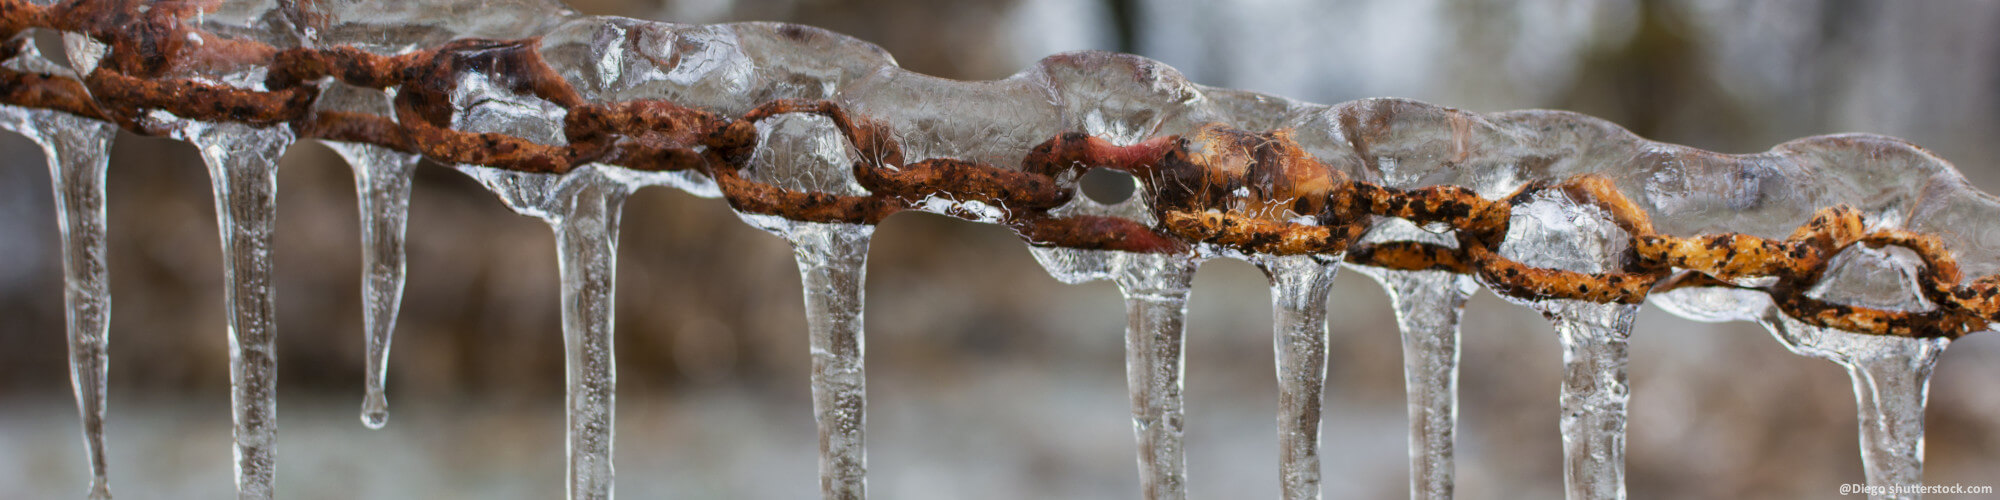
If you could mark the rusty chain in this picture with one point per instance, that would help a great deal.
(1193, 182)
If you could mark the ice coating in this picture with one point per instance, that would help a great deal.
(77, 151)
(1299, 286)
(1126, 101)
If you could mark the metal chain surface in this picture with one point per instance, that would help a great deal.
(1194, 183)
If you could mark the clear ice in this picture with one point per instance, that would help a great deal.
(1891, 375)
(1554, 231)
(1155, 287)
(1428, 305)
(1299, 286)
(732, 68)
(382, 190)
(794, 151)
(77, 151)
(382, 193)
(583, 209)
(243, 168)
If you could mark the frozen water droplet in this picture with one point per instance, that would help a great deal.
(375, 409)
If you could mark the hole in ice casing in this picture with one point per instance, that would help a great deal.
(1108, 186)
(49, 43)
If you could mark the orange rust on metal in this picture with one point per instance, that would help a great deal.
(1196, 184)
(1409, 256)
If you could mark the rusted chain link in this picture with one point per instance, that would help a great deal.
(1194, 183)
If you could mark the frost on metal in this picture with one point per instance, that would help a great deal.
(1859, 249)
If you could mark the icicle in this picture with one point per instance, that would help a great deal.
(794, 151)
(832, 261)
(1155, 287)
(1428, 305)
(382, 187)
(243, 168)
(1594, 394)
(1892, 377)
(1552, 229)
(77, 151)
(1299, 285)
(587, 248)
(583, 208)
(78, 154)
(382, 192)
(1156, 291)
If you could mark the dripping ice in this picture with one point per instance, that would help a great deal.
(77, 151)
(797, 152)
(1428, 305)
(382, 194)
(582, 207)
(1554, 230)
(1891, 375)
(1064, 93)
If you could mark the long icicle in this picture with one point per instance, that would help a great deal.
(243, 168)
(78, 150)
(586, 227)
(1594, 394)
(1892, 377)
(1156, 292)
(833, 260)
(382, 191)
(78, 155)
(1299, 287)
(1428, 307)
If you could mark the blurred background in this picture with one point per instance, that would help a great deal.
(990, 380)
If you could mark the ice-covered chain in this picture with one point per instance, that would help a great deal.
(1196, 182)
